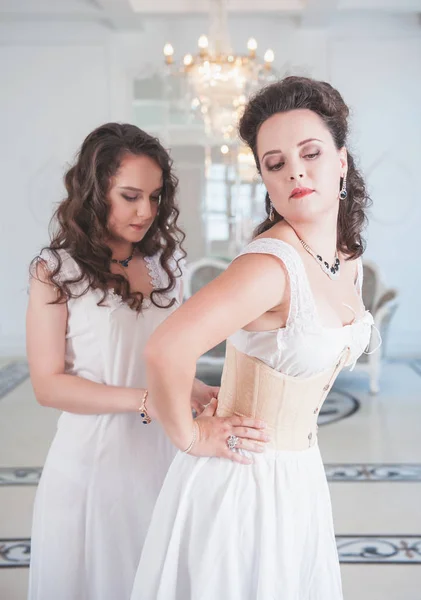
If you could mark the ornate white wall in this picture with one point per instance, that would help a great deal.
(59, 81)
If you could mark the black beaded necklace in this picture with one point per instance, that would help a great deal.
(331, 271)
(124, 262)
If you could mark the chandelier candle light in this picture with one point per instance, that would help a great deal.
(219, 81)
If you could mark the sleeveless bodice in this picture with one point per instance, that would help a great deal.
(105, 343)
(304, 347)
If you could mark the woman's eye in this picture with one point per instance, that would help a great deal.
(129, 198)
(156, 198)
(313, 155)
(276, 166)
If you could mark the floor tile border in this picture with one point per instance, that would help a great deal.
(335, 473)
(382, 549)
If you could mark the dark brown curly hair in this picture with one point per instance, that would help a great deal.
(320, 97)
(80, 221)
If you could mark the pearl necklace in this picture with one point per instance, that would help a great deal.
(331, 271)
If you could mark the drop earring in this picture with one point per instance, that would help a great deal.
(343, 193)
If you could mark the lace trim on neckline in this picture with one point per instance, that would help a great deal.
(156, 281)
(154, 272)
(116, 299)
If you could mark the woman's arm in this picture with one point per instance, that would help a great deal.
(252, 285)
(45, 340)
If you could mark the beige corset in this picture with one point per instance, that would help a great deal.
(289, 405)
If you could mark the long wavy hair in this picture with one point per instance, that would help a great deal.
(79, 224)
(320, 97)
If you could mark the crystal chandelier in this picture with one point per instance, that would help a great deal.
(217, 81)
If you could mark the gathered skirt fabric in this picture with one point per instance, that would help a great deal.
(222, 530)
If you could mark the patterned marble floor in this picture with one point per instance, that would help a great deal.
(372, 452)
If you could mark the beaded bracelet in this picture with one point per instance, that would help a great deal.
(142, 410)
(192, 443)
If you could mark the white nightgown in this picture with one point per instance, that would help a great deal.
(103, 472)
(225, 531)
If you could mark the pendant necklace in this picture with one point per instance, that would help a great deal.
(124, 262)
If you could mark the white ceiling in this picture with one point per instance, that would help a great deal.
(122, 14)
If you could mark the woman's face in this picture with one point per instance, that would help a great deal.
(134, 198)
(300, 165)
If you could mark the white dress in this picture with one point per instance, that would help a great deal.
(225, 531)
(103, 472)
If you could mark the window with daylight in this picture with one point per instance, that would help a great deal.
(233, 207)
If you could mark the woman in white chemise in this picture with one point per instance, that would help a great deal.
(110, 276)
(262, 530)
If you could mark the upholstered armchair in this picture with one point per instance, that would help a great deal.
(382, 302)
(201, 272)
(198, 274)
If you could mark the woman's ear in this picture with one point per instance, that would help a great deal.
(343, 158)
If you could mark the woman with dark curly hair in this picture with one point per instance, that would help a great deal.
(291, 308)
(111, 274)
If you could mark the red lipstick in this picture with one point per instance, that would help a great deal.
(300, 192)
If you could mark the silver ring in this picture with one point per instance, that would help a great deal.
(232, 441)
